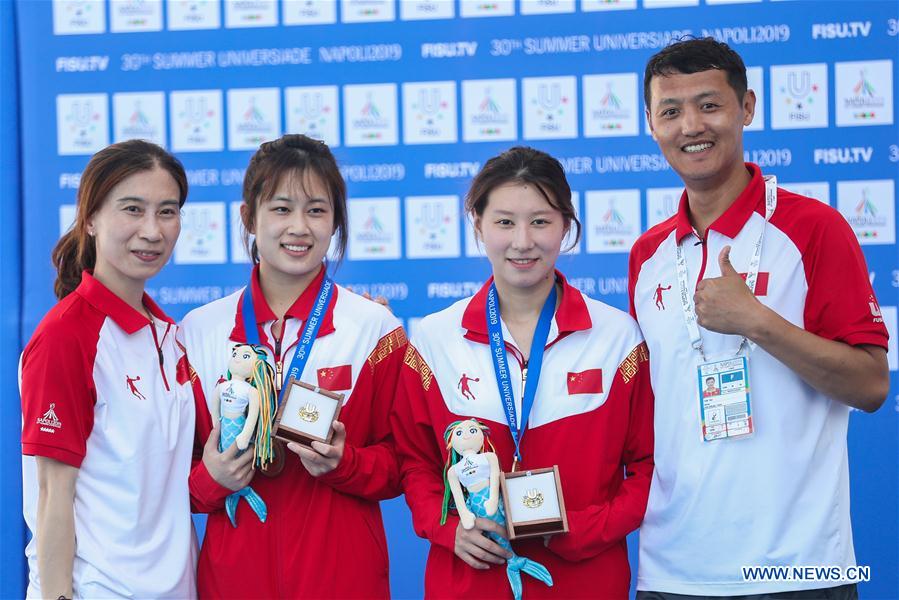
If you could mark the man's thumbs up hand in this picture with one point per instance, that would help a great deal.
(724, 304)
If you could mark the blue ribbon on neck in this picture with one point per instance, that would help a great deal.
(501, 365)
(307, 338)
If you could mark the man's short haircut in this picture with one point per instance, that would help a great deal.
(695, 55)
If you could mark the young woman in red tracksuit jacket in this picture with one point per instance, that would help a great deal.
(322, 535)
(592, 415)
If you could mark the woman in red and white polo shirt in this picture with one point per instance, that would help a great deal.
(108, 417)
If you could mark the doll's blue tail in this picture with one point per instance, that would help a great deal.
(252, 498)
(518, 564)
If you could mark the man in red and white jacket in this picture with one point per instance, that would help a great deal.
(812, 334)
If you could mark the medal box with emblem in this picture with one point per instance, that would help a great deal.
(306, 414)
(533, 502)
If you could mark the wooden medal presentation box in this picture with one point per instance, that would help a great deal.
(534, 503)
(306, 414)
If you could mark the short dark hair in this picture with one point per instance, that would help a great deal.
(694, 55)
(522, 164)
(289, 155)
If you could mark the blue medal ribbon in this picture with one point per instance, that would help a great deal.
(307, 338)
(501, 365)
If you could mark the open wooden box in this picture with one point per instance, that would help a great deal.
(533, 502)
(306, 414)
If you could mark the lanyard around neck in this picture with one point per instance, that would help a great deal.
(501, 364)
(751, 275)
(310, 330)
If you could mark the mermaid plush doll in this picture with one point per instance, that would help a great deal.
(245, 403)
(471, 484)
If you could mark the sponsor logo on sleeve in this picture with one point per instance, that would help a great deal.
(254, 117)
(49, 422)
(202, 239)
(549, 105)
(82, 122)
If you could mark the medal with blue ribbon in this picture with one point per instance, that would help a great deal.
(501, 365)
(307, 337)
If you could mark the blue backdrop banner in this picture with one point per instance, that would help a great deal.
(413, 96)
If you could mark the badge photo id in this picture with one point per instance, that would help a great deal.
(724, 399)
(534, 503)
(306, 414)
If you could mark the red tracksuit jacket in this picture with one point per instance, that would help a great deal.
(323, 537)
(592, 417)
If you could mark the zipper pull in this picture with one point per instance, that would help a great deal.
(278, 376)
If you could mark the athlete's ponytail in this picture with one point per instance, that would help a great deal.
(76, 250)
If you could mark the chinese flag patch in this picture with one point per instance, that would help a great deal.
(761, 283)
(585, 382)
(335, 378)
(182, 370)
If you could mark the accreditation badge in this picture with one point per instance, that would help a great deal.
(724, 403)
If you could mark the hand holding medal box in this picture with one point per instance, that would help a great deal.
(471, 479)
(306, 413)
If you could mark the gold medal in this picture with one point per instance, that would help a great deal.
(532, 498)
(309, 413)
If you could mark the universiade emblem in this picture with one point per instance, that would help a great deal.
(309, 413)
(532, 498)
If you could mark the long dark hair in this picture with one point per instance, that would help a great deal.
(76, 250)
